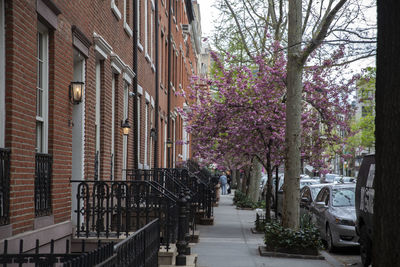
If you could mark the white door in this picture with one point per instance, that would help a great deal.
(78, 128)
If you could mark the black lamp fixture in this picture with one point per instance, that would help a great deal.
(153, 133)
(169, 143)
(125, 127)
(75, 92)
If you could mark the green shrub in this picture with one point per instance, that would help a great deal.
(277, 237)
(239, 196)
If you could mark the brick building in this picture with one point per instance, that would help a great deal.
(51, 134)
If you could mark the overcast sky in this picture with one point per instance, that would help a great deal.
(207, 16)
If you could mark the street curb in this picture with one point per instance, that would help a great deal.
(264, 252)
(331, 260)
(254, 231)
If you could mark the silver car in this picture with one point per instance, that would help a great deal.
(334, 214)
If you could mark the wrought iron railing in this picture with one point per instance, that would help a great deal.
(51, 258)
(141, 248)
(43, 174)
(4, 186)
(118, 208)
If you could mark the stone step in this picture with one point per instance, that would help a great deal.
(167, 258)
(191, 261)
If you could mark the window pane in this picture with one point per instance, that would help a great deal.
(40, 46)
(39, 136)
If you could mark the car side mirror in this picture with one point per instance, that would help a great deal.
(320, 205)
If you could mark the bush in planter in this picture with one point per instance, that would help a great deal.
(239, 196)
(260, 222)
(246, 203)
(280, 239)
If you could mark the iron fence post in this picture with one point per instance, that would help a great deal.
(181, 244)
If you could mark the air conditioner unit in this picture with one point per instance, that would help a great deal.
(186, 28)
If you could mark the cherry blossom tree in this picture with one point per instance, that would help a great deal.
(240, 118)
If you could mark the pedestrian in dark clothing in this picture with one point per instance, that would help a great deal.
(229, 180)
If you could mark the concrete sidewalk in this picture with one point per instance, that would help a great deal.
(230, 243)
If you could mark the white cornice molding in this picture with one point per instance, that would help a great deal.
(128, 74)
(116, 63)
(102, 48)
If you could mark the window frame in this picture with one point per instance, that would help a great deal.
(43, 118)
(2, 75)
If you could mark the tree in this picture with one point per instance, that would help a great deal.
(325, 24)
(386, 235)
(243, 119)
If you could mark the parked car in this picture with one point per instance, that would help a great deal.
(329, 178)
(304, 182)
(344, 179)
(263, 186)
(334, 214)
(365, 207)
(307, 195)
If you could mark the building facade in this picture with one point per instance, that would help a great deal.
(73, 76)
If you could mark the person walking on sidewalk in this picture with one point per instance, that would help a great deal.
(223, 181)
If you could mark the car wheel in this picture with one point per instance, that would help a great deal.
(365, 247)
(329, 242)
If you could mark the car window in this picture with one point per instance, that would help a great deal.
(326, 197)
(321, 195)
(315, 191)
(306, 193)
(343, 197)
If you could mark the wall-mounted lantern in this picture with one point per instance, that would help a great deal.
(75, 92)
(169, 143)
(125, 127)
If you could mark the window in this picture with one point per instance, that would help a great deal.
(2, 76)
(43, 161)
(145, 28)
(97, 120)
(127, 18)
(125, 137)
(151, 137)
(42, 87)
(173, 142)
(139, 19)
(152, 19)
(165, 144)
(140, 92)
(115, 9)
(113, 83)
(146, 131)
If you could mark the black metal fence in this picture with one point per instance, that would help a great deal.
(117, 208)
(51, 258)
(141, 248)
(4, 186)
(43, 173)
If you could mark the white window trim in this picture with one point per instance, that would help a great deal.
(173, 141)
(146, 117)
(138, 21)
(165, 144)
(140, 46)
(115, 10)
(113, 125)
(102, 48)
(145, 27)
(139, 99)
(125, 137)
(127, 28)
(2, 77)
(45, 108)
(97, 113)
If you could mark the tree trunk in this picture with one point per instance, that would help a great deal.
(268, 197)
(238, 181)
(255, 177)
(386, 237)
(233, 178)
(291, 212)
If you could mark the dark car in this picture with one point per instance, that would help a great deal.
(307, 195)
(365, 207)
